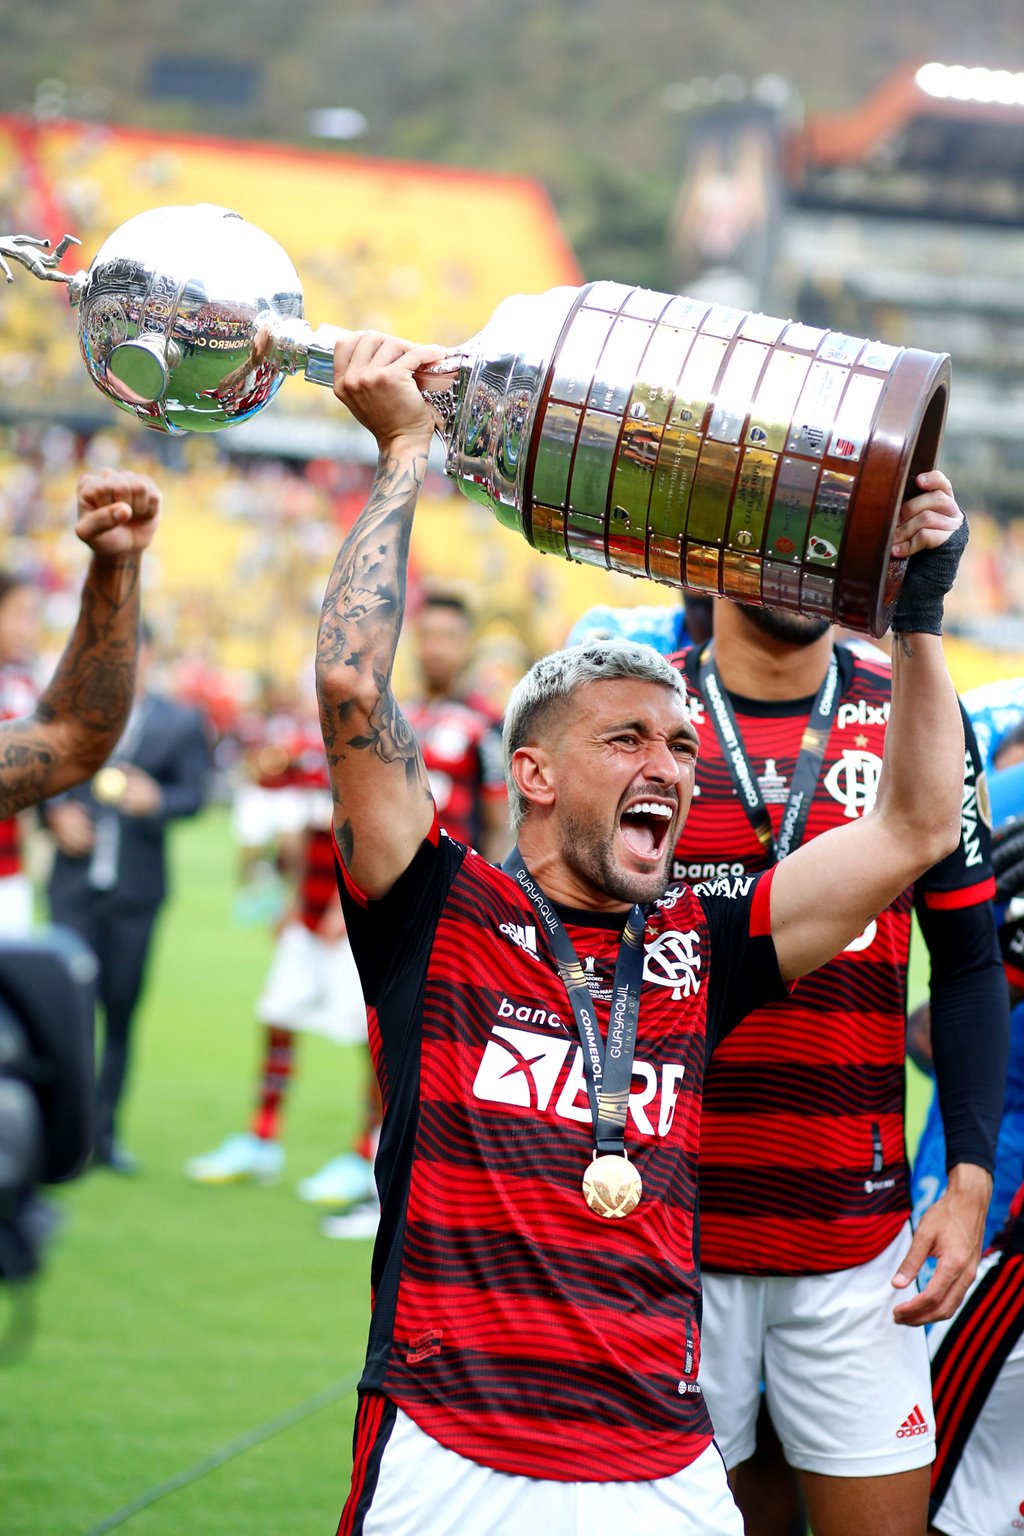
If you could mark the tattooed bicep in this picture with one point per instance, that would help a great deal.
(26, 766)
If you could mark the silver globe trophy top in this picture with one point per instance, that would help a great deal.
(176, 315)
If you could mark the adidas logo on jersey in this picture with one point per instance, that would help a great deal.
(524, 938)
(914, 1424)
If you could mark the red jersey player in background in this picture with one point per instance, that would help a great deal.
(19, 628)
(804, 1182)
(312, 983)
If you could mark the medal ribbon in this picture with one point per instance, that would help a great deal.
(808, 764)
(608, 1071)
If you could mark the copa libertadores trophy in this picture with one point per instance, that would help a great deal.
(689, 442)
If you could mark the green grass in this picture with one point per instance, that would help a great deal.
(172, 1320)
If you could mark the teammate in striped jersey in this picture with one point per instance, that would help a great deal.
(535, 1346)
(804, 1181)
(78, 719)
(978, 1374)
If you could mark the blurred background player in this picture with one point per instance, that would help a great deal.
(804, 1185)
(458, 733)
(19, 630)
(978, 1384)
(312, 983)
(109, 875)
(997, 714)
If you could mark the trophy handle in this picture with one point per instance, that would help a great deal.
(296, 346)
(29, 251)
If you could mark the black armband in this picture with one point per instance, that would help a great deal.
(970, 1027)
(930, 575)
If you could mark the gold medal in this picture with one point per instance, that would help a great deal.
(109, 785)
(611, 1186)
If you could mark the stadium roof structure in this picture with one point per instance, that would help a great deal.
(421, 251)
(935, 140)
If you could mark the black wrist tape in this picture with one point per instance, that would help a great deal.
(930, 574)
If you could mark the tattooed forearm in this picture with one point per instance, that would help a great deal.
(82, 711)
(361, 621)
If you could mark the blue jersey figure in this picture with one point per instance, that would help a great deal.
(996, 709)
(666, 629)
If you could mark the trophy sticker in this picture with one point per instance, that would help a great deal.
(592, 466)
(818, 594)
(644, 304)
(577, 361)
(741, 577)
(548, 531)
(554, 456)
(803, 338)
(712, 492)
(664, 559)
(673, 480)
(723, 320)
(732, 399)
(816, 409)
(766, 328)
(771, 415)
(688, 314)
(837, 348)
(609, 297)
(855, 418)
(791, 508)
(831, 505)
(878, 356)
(752, 499)
(618, 364)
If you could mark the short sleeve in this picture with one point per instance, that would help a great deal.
(964, 878)
(744, 966)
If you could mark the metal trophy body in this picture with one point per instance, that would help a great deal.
(692, 443)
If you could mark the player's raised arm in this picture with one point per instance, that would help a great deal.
(82, 712)
(826, 893)
(382, 803)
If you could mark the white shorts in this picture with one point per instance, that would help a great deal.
(15, 906)
(978, 1488)
(259, 816)
(422, 1489)
(848, 1390)
(313, 985)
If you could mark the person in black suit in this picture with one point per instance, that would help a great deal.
(109, 876)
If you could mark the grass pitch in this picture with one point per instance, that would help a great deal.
(173, 1322)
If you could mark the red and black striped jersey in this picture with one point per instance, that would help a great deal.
(17, 698)
(515, 1326)
(318, 885)
(803, 1165)
(461, 747)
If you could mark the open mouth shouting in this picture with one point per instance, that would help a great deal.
(645, 826)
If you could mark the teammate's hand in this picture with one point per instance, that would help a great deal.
(951, 1232)
(927, 520)
(142, 795)
(117, 513)
(374, 376)
(72, 828)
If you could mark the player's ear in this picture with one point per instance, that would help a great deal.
(532, 773)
